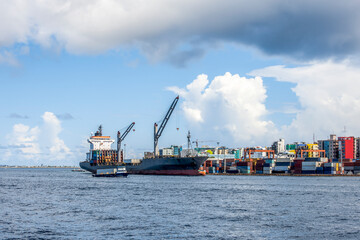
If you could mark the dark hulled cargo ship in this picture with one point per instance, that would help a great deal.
(101, 156)
(155, 166)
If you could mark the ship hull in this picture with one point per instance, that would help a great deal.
(166, 172)
(188, 166)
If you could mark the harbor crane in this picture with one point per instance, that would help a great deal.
(158, 132)
(121, 137)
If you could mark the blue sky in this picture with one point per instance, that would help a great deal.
(292, 72)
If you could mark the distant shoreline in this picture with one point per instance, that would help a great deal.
(218, 174)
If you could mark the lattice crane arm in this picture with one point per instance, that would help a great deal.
(167, 117)
(158, 131)
(127, 131)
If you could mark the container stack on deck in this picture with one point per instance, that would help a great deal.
(103, 157)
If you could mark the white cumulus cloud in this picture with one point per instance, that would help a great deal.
(26, 139)
(329, 96)
(230, 108)
(37, 145)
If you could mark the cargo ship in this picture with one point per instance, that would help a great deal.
(101, 156)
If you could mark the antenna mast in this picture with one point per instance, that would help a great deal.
(189, 141)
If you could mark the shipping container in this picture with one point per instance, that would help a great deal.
(316, 159)
(308, 172)
(269, 165)
(283, 160)
(283, 163)
(281, 168)
(330, 164)
(270, 160)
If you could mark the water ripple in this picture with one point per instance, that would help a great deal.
(60, 204)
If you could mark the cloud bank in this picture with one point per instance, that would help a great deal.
(179, 31)
(329, 96)
(37, 145)
(230, 108)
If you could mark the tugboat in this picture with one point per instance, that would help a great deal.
(120, 171)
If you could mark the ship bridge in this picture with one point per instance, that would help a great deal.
(100, 142)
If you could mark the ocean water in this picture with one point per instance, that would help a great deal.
(61, 204)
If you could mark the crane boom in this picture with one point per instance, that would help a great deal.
(121, 138)
(127, 131)
(158, 132)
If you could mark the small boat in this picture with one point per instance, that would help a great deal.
(78, 170)
(120, 171)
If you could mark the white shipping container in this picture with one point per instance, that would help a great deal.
(284, 160)
(309, 163)
(281, 168)
(324, 160)
(315, 164)
(267, 168)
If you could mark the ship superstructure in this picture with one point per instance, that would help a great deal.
(101, 153)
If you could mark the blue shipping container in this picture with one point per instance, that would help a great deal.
(283, 163)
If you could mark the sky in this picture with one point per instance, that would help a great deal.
(247, 73)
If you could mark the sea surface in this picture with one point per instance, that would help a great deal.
(61, 204)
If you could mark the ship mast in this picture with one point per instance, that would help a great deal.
(98, 133)
(189, 139)
(158, 132)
